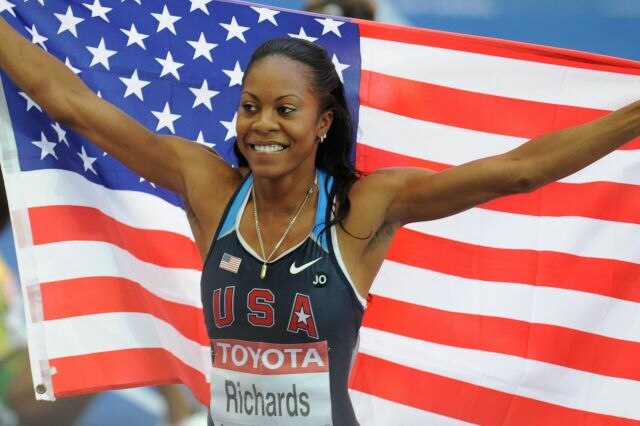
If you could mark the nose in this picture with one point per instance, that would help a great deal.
(265, 121)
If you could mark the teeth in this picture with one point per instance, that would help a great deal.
(268, 148)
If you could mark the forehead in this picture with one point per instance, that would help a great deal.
(278, 75)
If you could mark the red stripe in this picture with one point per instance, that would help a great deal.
(597, 200)
(96, 295)
(470, 110)
(127, 368)
(607, 277)
(465, 401)
(496, 47)
(547, 343)
(90, 224)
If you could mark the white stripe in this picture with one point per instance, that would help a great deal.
(79, 259)
(373, 411)
(133, 208)
(527, 378)
(493, 75)
(576, 310)
(126, 330)
(453, 146)
(568, 234)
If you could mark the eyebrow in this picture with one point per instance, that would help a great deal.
(277, 99)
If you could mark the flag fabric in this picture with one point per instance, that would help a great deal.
(525, 310)
(230, 263)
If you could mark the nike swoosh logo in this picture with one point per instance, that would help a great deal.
(297, 269)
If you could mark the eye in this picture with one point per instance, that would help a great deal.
(248, 107)
(286, 109)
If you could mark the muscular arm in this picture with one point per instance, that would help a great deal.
(418, 195)
(388, 198)
(68, 100)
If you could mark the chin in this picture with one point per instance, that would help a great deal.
(267, 169)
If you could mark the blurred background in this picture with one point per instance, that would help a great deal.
(609, 27)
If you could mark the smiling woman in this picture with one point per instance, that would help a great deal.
(293, 238)
(319, 96)
(294, 135)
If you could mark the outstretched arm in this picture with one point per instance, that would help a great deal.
(161, 159)
(418, 195)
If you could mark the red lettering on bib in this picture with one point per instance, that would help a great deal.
(259, 303)
(220, 318)
(301, 317)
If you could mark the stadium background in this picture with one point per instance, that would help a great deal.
(608, 27)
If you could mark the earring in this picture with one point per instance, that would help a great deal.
(323, 137)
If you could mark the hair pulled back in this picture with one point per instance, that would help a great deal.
(334, 154)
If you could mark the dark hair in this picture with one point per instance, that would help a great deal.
(334, 154)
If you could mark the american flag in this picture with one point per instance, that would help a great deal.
(230, 263)
(525, 310)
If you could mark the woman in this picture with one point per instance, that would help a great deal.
(299, 237)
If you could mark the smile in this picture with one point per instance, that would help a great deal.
(268, 149)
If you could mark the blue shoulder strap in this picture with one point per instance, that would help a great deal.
(320, 229)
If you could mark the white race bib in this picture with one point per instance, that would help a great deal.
(255, 383)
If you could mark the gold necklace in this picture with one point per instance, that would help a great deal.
(265, 259)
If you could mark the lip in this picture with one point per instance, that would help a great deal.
(268, 147)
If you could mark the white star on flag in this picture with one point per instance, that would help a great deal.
(62, 134)
(203, 95)
(202, 47)
(330, 25)
(134, 85)
(101, 54)
(97, 10)
(47, 148)
(303, 35)
(169, 66)
(166, 118)
(200, 4)
(235, 30)
(266, 14)
(302, 316)
(235, 75)
(339, 67)
(75, 70)
(135, 37)
(200, 140)
(231, 127)
(144, 180)
(30, 102)
(166, 20)
(8, 7)
(87, 162)
(68, 22)
(36, 38)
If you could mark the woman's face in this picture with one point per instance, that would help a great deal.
(278, 123)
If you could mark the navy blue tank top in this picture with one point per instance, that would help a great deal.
(306, 297)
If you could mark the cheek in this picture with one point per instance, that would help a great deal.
(304, 131)
(242, 127)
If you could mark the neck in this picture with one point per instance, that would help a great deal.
(282, 195)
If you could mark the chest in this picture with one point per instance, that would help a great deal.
(304, 296)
